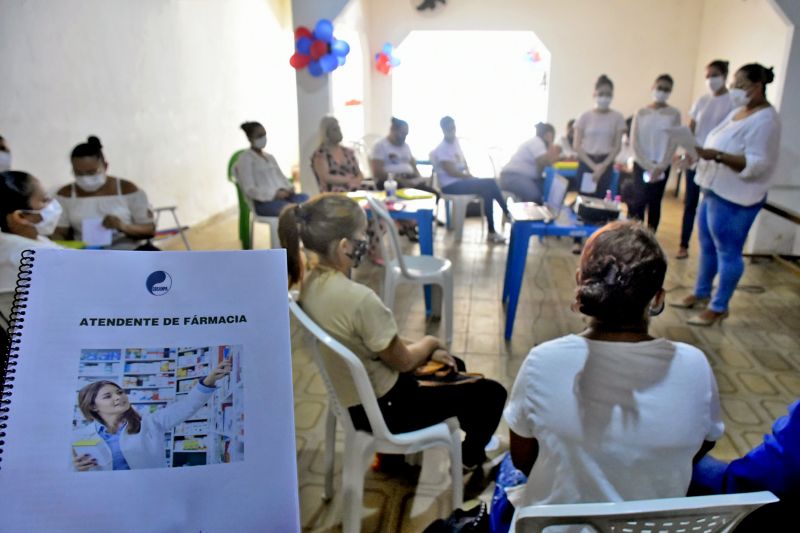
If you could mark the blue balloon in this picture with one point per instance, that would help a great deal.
(304, 45)
(324, 30)
(341, 60)
(394, 61)
(328, 62)
(340, 48)
(315, 69)
(387, 49)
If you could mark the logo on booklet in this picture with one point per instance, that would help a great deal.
(158, 283)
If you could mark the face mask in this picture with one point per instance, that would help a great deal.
(715, 83)
(260, 143)
(360, 249)
(603, 102)
(5, 160)
(660, 96)
(739, 97)
(335, 137)
(91, 183)
(50, 215)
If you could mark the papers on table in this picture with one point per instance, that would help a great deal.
(588, 185)
(683, 137)
(93, 233)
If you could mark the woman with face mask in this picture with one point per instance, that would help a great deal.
(94, 195)
(27, 217)
(598, 138)
(335, 166)
(736, 168)
(706, 113)
(653, 151)
(260, 177)
(334, 227)
(522, 175)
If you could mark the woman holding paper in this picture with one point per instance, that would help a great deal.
(119, 438)
(735, 171)
(113, 212)
(653, 150)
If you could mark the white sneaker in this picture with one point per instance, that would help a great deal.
(495, 238)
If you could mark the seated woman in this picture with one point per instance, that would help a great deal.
(334, 228)
(27, 216)
(334, 165)
(260, 177)
(522, 175)
(592, 417)
(117, 203)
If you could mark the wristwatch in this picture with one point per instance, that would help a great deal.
(718, 157)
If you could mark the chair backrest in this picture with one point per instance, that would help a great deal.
(379, 210)
(366, 394)
(699, 514)
(232, 164)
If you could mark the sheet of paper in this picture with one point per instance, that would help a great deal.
(588, 185)
(684, 138)
(93, 233)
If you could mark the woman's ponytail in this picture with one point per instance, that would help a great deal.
(289, 236)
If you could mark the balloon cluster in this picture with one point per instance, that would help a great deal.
(318, 50)
(385, 60)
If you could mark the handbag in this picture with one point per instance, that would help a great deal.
(476, 520)
(436, 374)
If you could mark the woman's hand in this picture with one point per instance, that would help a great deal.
(598, 172)
(443, 356)
(114, 222)
(218, 373)
(707, 153)
(83, 462)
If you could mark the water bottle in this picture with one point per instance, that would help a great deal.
(390, 186)
(608, 197)
(617, 200)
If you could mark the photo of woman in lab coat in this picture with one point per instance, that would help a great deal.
(119, 438)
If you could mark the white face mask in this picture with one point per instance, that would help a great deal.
(603, 102)
(91, 183)
(50, 215)
(739, 97)
(715, 83)
(5, 160)
(260, 143)
(660, 96)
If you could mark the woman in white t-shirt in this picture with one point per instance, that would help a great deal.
(735, 172)
(706, 114)
(592, 417)
(27, 216)
(653, 151)
(522, 175)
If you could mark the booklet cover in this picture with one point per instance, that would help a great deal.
(151, 392)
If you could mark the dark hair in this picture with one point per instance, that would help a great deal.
(621, 269)
(447, 119)
(720, 65)
(16, 188)
(757, 73)
(88, 394)
(570, 122)
(543, 128)
(249, 128)
(603, 80)
(398, 123)
(319, 223)
(91, 148)
(628, 124)
(665, 77)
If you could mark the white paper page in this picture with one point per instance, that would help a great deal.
(93, 233)
(684, 138)
(244, 476)
(588, 185)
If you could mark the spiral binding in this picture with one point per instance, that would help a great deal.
(16, 318)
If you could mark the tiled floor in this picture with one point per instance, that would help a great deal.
(755, 355)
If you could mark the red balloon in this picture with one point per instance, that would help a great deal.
(302, 31)
(318, 49)
(299, 60)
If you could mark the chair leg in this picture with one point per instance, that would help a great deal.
(456, 466)
(252, 231)
(447, 308)
(358, 449)
(274, 239)
(330, 455)
(459, 216)
(180, 229)
(389, 288)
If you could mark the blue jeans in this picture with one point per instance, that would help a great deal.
(273, 208)
(525, 188)
(722, 229)
(487, 189)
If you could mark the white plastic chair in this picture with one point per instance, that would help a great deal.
(698, 514)
(457, 205)
(418, 269)
(359, 446)
(274, 242)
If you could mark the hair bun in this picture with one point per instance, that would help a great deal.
(769, 75)
(94, 142)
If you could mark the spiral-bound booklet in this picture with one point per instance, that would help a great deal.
(148, 391)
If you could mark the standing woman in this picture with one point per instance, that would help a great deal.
(598, 138)
(653, 152)
(735, 172)
(706, 114)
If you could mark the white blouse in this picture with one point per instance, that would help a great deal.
(651, 142)
(758, 138)
(259, 176)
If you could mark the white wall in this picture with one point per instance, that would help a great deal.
(630, 40)
(164, 85)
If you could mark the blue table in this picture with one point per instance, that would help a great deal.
(521, 232)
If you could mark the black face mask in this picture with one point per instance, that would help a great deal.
(360, 249)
